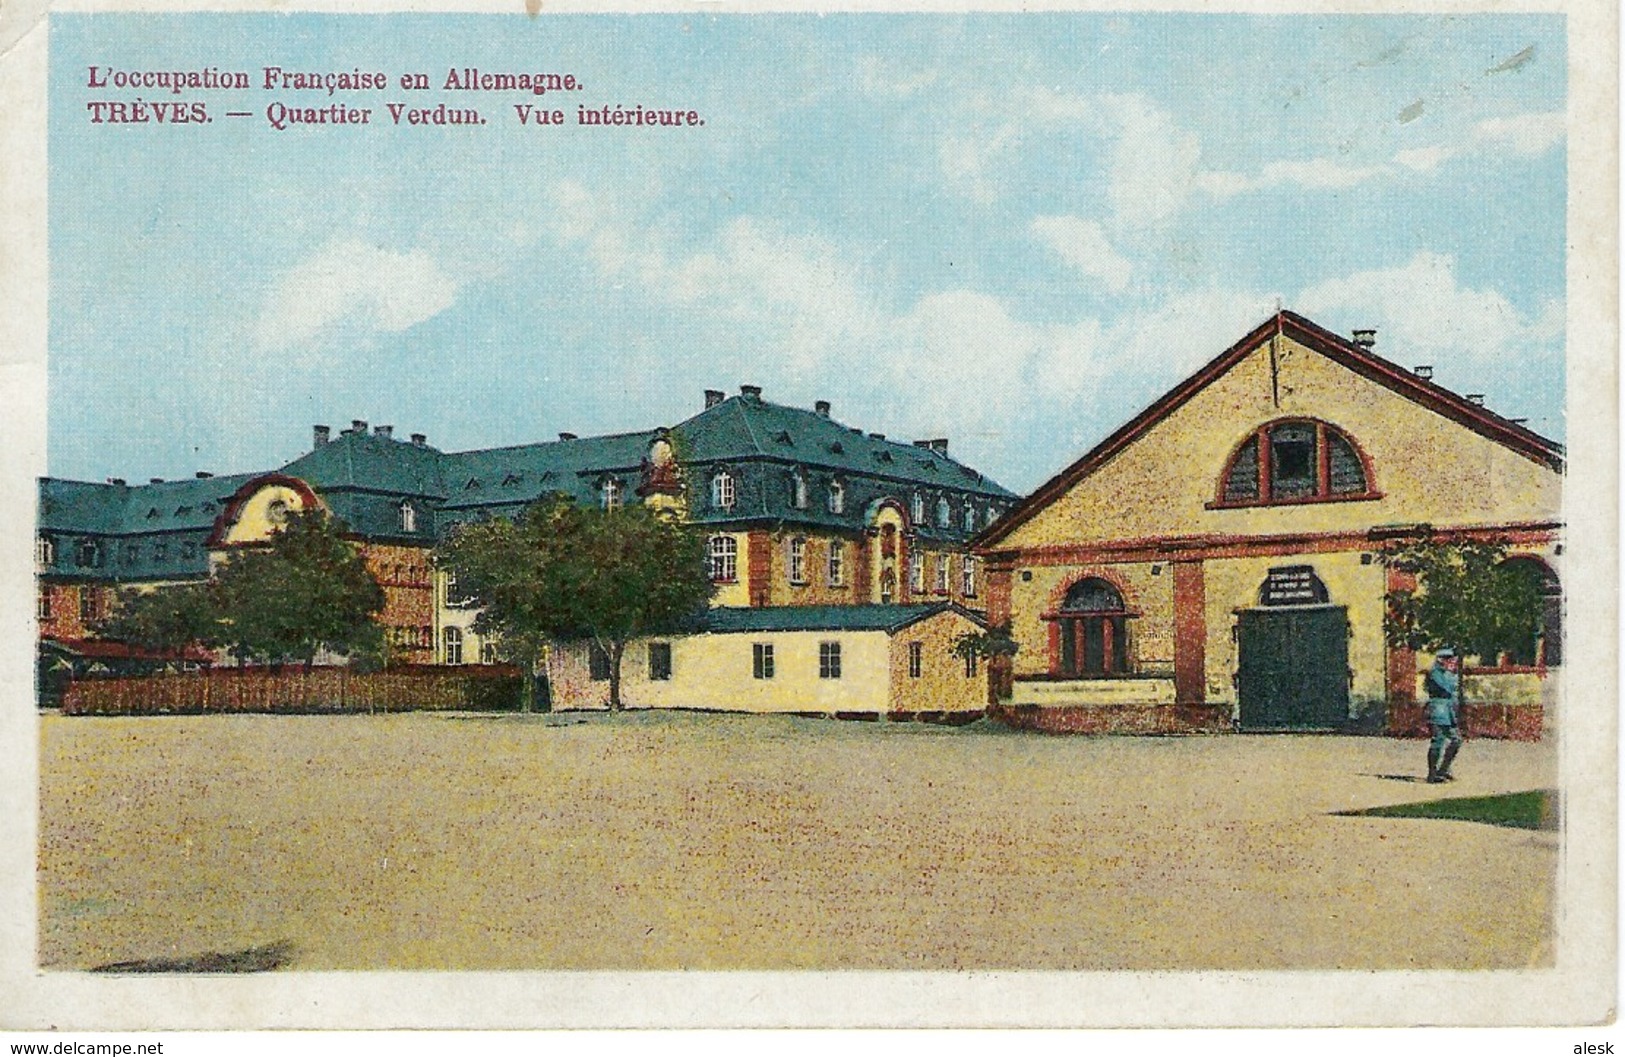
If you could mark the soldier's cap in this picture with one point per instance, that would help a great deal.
(1444, 652)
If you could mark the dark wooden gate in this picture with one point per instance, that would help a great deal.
(1294, 668)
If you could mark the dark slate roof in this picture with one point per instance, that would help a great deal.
(748, 427)
(494, 476)
(888, 618)
(148, 532)
(364, 478)
(365, 460)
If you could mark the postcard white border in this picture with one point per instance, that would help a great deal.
(1580, 990)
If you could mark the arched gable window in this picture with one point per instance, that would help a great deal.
(722, 490)
(1091, 631)
(1295, 461)
(945, 514)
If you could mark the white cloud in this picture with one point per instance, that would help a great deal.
(1424, 159)
(1153, 160)
(1527, 134)
(1148, 160)
(1083, 244)
(883, 79)
(348, 282)
(1421, 308)
(1310, 174)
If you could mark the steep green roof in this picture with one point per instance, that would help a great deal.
(365, 460)
(525, 473)
(748, 427)
(149, 532)
(888, 618)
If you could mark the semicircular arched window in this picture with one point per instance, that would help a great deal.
(1295, 461)
(1091, 631)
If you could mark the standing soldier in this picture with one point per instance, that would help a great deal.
(1444, 713)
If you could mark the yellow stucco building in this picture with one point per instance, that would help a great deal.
(851, 662)
(1213, 563)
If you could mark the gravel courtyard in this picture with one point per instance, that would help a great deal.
(669, 840)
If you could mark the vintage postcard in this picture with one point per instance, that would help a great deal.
(566, 515)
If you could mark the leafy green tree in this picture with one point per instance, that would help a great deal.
(1467, 596)
(308, 590)
(563, 572)
(166, 620)
(994, 642)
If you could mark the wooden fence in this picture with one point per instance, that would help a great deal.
(293, 690)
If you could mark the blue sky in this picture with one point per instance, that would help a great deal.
(1010, 230)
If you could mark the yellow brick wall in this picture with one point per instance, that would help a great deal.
(942, 685)
(1428, 468)
(1151, 635)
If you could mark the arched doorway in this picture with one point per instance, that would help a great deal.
(1543, 645)
(1293, 671)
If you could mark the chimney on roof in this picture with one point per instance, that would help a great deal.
(119, 481)
(938, 445)
(321, 435)
(752, 391)
(1366, 338)
(420, 439)
(1424, 371)
(155, 480)
(1476, 399)
(713, 397)
(358, 425)
(204, 475)
(567, 436)
(877, 436)
(822, 407)
(387, 432)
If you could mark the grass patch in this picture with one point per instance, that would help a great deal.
(1536, 809)
(253, 960)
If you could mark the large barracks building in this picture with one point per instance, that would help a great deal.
(840, 557)
(1214, 562)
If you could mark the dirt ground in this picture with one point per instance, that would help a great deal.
(658, 841)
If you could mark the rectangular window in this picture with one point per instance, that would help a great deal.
(659, 661)
(916, 659)
(970, 665)
(798, 561)
(837, 563)
(968, 577)
(944, 570)
(44, 602)
(761, 660)
(916, 573)
(87, 604)
(829, 660)
(597, 663)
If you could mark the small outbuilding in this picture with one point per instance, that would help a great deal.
(852, 662)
